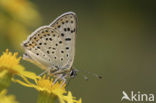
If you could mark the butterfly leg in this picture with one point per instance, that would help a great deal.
(57, 78)
(48, 70)
(62, 77)
(64, 81)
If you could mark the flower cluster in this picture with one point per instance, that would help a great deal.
(10, 65)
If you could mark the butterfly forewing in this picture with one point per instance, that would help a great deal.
(53, 45)
(65, 26)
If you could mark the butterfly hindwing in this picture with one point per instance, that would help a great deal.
(36, 46)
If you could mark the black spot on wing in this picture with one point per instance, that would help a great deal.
(67, 48)
(48, 52)
(50, 39)
(65, 29)
(59, 26)
(62, 34)
(62, 51)
(68, 39)
(67, 55)
(61, 59)
(60, 42)
(68, 29)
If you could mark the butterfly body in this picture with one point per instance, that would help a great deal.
(52, 47)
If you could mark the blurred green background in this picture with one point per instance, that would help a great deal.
(115, 39)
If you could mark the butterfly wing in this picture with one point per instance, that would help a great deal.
(40, 47)
(66, 25)
(53, 45)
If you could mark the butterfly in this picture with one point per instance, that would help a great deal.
(52, 47)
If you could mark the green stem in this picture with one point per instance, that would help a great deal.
(44, 97)
(5, 81)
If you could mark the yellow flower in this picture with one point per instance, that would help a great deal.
(9, 66)
(7, 98)
(10, 62)
(45, 87)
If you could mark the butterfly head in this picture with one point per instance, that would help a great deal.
(73, 73)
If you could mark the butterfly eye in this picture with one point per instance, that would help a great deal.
(73, 73)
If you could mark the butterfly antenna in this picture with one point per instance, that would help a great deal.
(93, 74)
(86, 72)
(82, 74)
(98, 76)
(85, 77)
